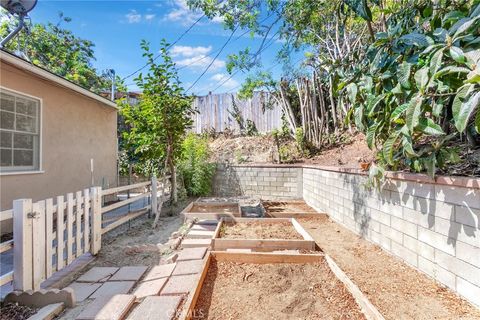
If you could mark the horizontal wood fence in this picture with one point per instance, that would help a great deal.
(216, 111)
(50, 234)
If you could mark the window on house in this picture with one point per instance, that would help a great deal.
(19, 132)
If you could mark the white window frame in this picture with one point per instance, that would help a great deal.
(28, 170)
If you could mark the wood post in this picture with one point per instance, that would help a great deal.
(38, 243)
(23, 248)
(153, 201)
(96, 243)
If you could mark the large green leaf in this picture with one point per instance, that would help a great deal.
(413, 112)
(361, 8)
(421, 78)
(373, 104)
(451, 69)
(408, 146)
(389, 147)
(457, 54)
(352, 90)
(371, 131)
(436, 62)
(399, 111)
(404, 74)
(463, 25)
(428, 126)
(477, 120)
(416, 39)
(464, 104)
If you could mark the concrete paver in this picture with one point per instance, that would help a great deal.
(84, 290)
(112, 288)
(156, 308)
(108, 308)
(129, 273)
(195, 243)
(160, 271)
(149, 288)
(204, 227)
(97, 274)
(200, 234)
(180, 284)
(188, 267)
(192, 254)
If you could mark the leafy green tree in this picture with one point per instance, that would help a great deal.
(158, 123)
(58, 50)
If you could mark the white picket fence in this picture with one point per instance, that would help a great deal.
(50, 234)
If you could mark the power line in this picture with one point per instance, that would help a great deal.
(213, 60)
(169, 46)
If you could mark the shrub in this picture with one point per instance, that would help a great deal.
(194, 167)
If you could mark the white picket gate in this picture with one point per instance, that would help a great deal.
(49, 234)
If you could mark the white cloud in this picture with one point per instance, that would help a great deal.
(149, 17)
(182, 13)
(187, 51)
(195, 57)
(223, 79)
(133, 16)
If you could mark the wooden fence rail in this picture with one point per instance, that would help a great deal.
(50, 234)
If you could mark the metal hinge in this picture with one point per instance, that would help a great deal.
(33, 215)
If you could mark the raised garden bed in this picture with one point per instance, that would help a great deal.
(275, 286)
(261, 235)
(212, 210)
(288, 209)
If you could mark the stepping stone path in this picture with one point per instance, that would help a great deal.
(156, 294)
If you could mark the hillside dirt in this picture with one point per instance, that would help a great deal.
(396, 289)
(261, 149)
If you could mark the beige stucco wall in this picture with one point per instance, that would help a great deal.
(74, 129)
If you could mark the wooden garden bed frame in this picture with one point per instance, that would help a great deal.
(370, 312)
(287, 213)
(221, 244)
(214, 214)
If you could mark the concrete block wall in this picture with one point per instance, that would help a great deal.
(433, 227)
(258, 180)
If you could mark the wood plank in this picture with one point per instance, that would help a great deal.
(262, 244)
(59, 232)
(302, 231)
(48, 312)
(86, 220)
(78, 224)
(69, 228)
(6, 278)
(48, 236)
(96, 243)
(5, 246)
(38, 232)
(124, 219)
(124, 202)
(6, 215)
(125, 188)
(368, 309)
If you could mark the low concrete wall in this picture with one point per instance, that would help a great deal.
(432, 225)
(261, 180)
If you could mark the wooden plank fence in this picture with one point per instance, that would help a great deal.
(49, 235)
(215, 111)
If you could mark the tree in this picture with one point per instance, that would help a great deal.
(58, 50)
(159, 121)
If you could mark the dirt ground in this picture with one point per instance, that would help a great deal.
(274, 291)
(397, 290)
(255, 230)
(14, 311)
(286, 206)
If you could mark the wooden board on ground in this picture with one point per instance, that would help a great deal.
(357, 301)
(271, 234)
(212, 210)
(288, 209)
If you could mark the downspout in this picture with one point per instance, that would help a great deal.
(21, 23)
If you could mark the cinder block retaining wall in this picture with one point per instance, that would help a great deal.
(434, 226)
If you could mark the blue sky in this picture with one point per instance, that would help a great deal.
(117, 27)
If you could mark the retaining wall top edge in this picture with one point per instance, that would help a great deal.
(456, 181)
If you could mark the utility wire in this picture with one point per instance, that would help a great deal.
(213, 60)
(169, 46)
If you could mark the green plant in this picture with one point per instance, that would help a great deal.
(300, 140)
(250, 128)
(158, 123)
(197, 172)
(239, 158)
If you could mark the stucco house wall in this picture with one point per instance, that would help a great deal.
(74, 129)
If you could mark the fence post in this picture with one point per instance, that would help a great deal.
(96, 242)
(23, 245)
(153, 202)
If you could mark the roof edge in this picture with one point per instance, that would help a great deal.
(48, 75)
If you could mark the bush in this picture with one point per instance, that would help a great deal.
(194, 167)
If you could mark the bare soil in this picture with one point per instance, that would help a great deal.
(205, 208)
(274, 291)
(14, 311)
(397, 290)
(286, 206)
(256, 230)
